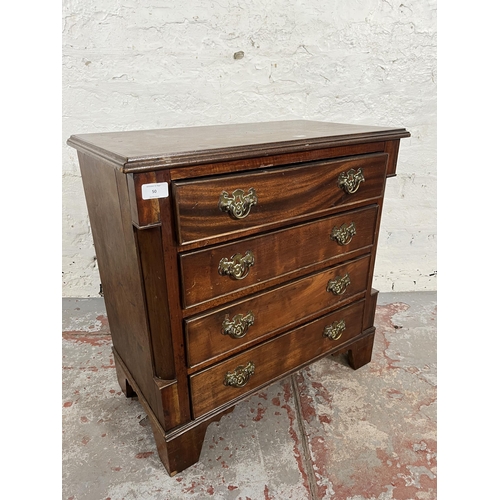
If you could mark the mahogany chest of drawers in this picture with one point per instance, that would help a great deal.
(232, 256)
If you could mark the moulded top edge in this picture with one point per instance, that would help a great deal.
(141, 150)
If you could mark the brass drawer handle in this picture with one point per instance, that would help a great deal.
(338, 285)
(238, 266)
(240, 376)
(343, 234)
(237, 205)
(349, 181)
(238, 327)
(334, 331)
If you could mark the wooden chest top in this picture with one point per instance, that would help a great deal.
(139, 150)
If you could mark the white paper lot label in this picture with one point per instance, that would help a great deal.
(157, 190)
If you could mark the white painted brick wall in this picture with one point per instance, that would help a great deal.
(137, 64)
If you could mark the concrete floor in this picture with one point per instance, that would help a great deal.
(328, 432)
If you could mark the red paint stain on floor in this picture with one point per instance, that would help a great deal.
(426, 402)
(260, 413)
(404, 479)
(86, 338)
(190, 489)
(325, 419)
(266, 493)
(322, 464)
(394, 394)
(144, 454)
(322, 392)
(306, 402)
(287, 396)
(104, 323)
(385, 326)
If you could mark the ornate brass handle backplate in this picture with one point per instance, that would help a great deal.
(350, 181)
(334, 331)
(240, 376)
(238, 266)
(338, 285)
(238, 204)
(343, 234)
(238, 327)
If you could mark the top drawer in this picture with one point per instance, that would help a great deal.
(220, 205)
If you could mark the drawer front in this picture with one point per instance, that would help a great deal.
(231, 203)
(224, 269)
(254, 368)
(238, 325)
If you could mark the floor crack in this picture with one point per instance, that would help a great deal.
(311, 477)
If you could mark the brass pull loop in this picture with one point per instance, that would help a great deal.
(349, 181)
(238, 327)
(334, 331)
(240, 376)
(343, 234)
(237, 205)
(238, 266)
(338, 285)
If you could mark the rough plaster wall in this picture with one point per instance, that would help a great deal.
(137, 64)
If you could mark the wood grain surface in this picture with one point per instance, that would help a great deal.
(273, 359)
(274, 311)
(283, 194)
(276, 254)
(144, 150)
